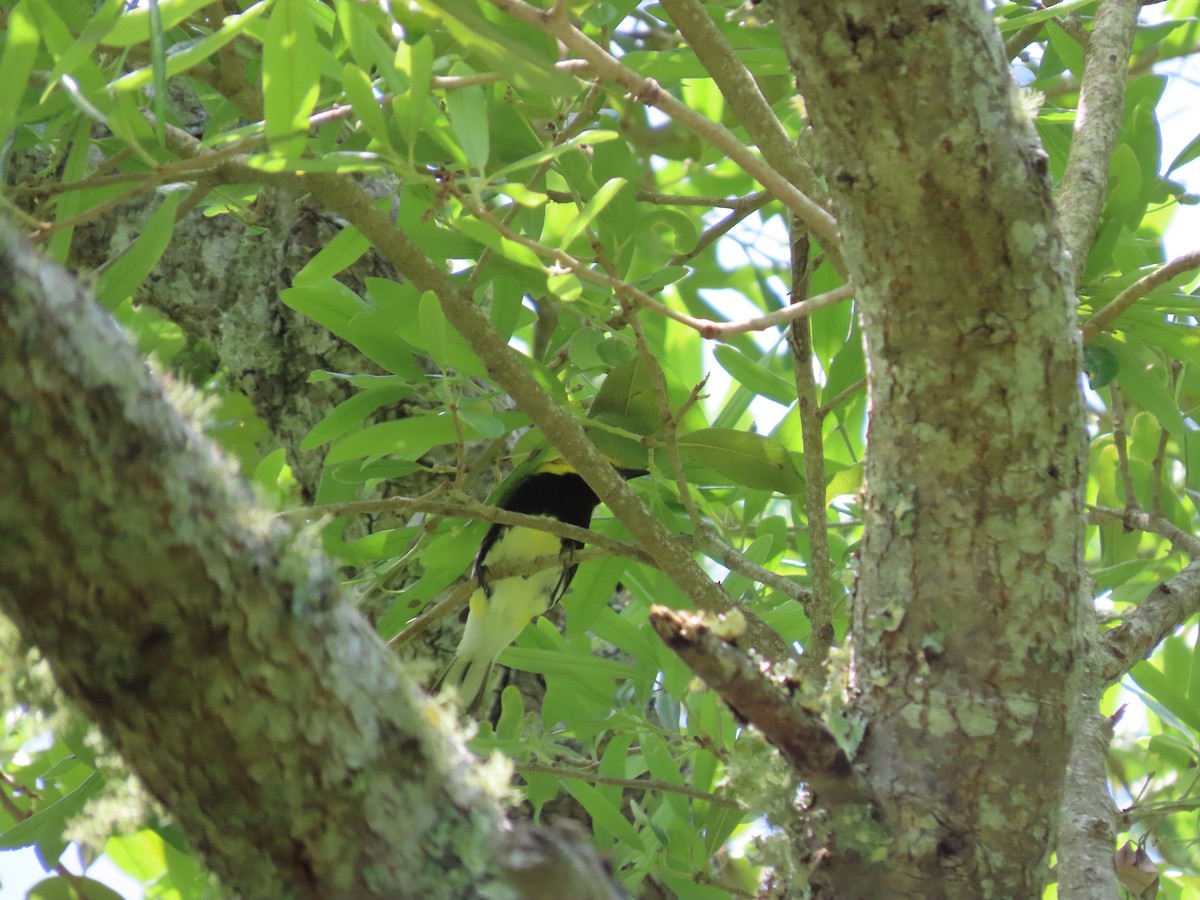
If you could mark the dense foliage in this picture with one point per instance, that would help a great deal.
(644, 274)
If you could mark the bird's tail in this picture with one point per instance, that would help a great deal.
(469, 675)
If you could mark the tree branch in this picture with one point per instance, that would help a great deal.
(1136, 291)
(1165, 608)
(1088, 830)
(646, 90)
(1097, 124)
(741, 92)
(480, 511)
(206, 640)
(505, 365)
(820, 568)
(787, 721)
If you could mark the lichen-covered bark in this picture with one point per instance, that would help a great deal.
(219, 280)
(964, 628)
(206, 641)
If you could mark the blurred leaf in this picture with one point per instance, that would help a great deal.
(291, 83)
(742, 457)
(77, 887)
(48, 823)
(1101, 364)
(468, 112)
(16, 63)
(527, 71)
(133, 26)
(755, 375)
(627, 394)
(125, 275)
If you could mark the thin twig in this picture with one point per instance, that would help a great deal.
(636, 784)
(707, 328)
(478, 511)
(1136, 291)
(820, 568)
(1121, 442)
(712, 545)
(1135, 519)
(723, 227)
(648, 91)
(840, 397)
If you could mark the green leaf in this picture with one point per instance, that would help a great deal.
(486, 234)
(743, 457)
(346, 248)
(83, 46)
(846, 480)
(133, 27)
(660, 279)
(409, 439)
(664, 767)
(1186, 155)
(605, 815)
(77, 887)
(1066, 47)
(526, 71)
(349, 414)
(341, 161)
(357, 86)
(48, 823)
(754, 375)
(377, 332)
(20, 49)
(1144, 379)
(158, 68)
(182, 59)
(1123, 202)
(626, 393)
(443, 343)
(1176, 707)
(592, 208)
(468, 112)
(536, 159)
(130, 269)
(410, 105)
(1058, 11)
(291, 80)
(1100, 363)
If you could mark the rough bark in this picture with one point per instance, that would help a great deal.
(964, 632)
(219, 280)
(204, 638)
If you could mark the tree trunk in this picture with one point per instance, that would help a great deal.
(207, 641)
(971, 562)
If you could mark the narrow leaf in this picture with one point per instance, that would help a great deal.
(291, 80)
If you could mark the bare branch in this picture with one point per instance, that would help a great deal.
(820, 568)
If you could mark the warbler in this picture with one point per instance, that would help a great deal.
(500, 610)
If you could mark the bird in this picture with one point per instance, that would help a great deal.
(499, 610)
